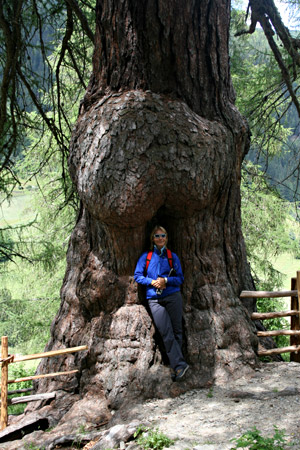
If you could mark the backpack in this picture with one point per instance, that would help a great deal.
(169, 256)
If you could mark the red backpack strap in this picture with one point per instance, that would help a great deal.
(148, 259)
(170, 259)
(169, 256)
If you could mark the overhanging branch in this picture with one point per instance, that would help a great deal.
(266, 13)
(82, 18)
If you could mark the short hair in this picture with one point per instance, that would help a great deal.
(155, 229)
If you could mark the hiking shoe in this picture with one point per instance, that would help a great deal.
(181, 372)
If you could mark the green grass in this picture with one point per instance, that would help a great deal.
(15, 371)
(17, 210)
(254, 440)
(153, 439)
(29, 366)
(288, 265)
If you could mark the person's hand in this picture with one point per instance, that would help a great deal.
(159, 283)
(155, 283)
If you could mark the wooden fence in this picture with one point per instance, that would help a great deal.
(7, 359)
(294, 313)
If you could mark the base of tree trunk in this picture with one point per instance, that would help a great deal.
(139, 159)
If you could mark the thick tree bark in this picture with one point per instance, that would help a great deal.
(158, 140)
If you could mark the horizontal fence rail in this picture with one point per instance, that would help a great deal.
(30, 398)
(49, 354)
(45, 375)
(267, 294)
(278, 333)
(278, 351)
(274, 315)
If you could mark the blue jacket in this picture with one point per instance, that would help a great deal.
(159, 266)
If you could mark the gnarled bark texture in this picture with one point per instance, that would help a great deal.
(158, 140)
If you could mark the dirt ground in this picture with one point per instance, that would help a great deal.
(208, 419)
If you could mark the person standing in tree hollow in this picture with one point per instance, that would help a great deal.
(160, 271)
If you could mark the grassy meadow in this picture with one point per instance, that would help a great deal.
(29, 295)
(18, 209)
(288, 265)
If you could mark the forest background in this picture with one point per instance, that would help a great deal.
(39, 206)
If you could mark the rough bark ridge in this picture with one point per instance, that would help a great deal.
(157, 140)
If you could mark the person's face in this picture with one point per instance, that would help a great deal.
(160, 238)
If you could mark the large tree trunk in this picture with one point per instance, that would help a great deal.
(158, 140)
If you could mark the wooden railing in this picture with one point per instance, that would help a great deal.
(294, 313)
(7, 359)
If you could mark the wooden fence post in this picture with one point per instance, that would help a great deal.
(295, 323)
(4, 380)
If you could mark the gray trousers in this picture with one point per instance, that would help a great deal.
(167, 316)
